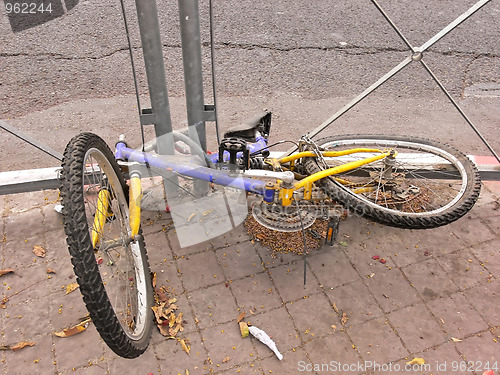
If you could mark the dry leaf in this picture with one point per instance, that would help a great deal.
(71, 331)
(344, 319)
(416, 361)
(227, 359)
(455, 339)
(39, 251)
(50, 270)
(71, 287)
(191, 217)
(184, 346)
(240, 317)
(18, 346)
(334, 327)
(335, 307)
(153, 279)
(6, 271)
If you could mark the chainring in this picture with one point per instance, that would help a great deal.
(283, 219)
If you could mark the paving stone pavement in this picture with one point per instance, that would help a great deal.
(436, 297)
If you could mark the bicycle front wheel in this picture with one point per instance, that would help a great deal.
(427, 184)
(111, 268)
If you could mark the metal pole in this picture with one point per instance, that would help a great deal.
(159, 115)
(193, 79)
(155, 70)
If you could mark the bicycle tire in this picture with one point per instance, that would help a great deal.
(375, 208)
(115, 282)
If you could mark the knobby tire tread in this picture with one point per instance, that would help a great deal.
(357, 205)
(82, 253)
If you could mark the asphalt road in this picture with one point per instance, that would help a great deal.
(302, 59)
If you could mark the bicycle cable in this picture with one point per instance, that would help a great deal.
(133, 71)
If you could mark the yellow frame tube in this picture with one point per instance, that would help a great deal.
(135, 197)
(327, 154)
(339, 169)
(101, 214)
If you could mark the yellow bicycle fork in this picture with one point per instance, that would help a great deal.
(103, 211)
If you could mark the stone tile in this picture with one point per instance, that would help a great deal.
(458, 317)
(484, 298)
(333, 269)
(65, 349)
(487, 253)
(471, 231)
(279, 326)
(436, 241)
(18, 203)
(155, 221)
(289, 364)
(330, 354)
(157, 247)
(19, 253)
(239, 260)
(251, 368)
(481, 347)
(200, 270)
(144, 364)
(464, 269)
(99, 368)
(66, 309)
(392, 290)
(361, 256)
(22, 321)
(493, 223)
(167, 276)
(289, 280)
(24, 225)
(37, 359)
(180, 251)
(430, 280)
(225, 341)
(439, 359)
(376, 341)
(256, 293)
(233, 237)
(52, 220)
(313, 316)
(25, 284)
(213, 305)
(421, 331)
(355, 300)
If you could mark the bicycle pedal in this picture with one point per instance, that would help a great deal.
(332, 230)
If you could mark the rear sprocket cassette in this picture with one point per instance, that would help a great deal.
(283, 219)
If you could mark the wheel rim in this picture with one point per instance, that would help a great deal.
(119, 260)
(436, 195)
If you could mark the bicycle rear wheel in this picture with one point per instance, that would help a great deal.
(111, 269)
(427, 185)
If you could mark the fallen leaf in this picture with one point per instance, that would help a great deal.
(6, 271)
(416, 361)
(39, 251)
(227, 359)
(240, 317)
(50, 270)
(335, 307)
(344, 319)
(71, 287)
(334, 327)
(18, 346)
(153, 279)
(191, 217)
(343, 243)
(71, 331)
(455, 339)
(184, 346)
